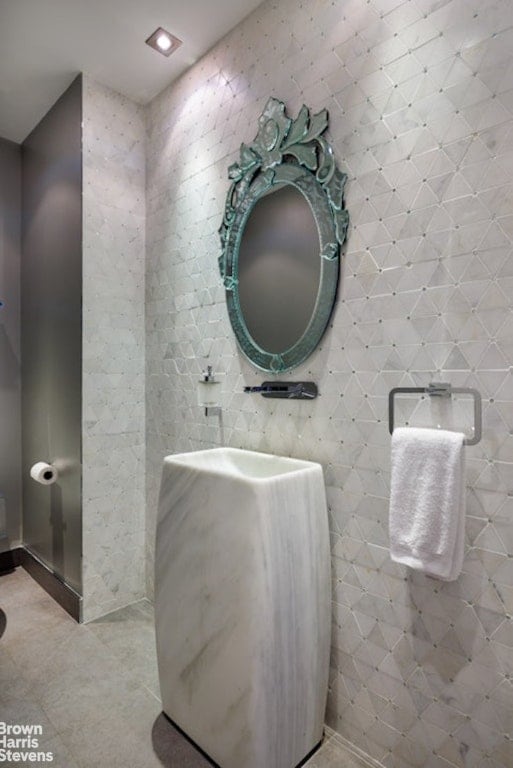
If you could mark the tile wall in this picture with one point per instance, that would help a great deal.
(113, 350)
(420, 95)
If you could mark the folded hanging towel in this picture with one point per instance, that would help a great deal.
(427, 501)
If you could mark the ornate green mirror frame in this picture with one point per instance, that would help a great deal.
(285, 152)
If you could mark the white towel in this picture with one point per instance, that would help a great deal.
(427, 501)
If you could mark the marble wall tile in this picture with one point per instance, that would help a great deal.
(113, 350)
(421, 117)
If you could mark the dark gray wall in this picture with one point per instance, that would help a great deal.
(10, 388)
(51, 322)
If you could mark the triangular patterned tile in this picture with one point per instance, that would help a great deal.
(503, 698)
(472, 351)
(421, 699)
(498, 566)
(408, 192)
(440, 276)
(452, 70)
(483, 147)
(490, 597)
(505, 390)
(439, 332)
(469, 268)
(407, 246)
(456, 128)
(505, 332)
(493, 319)
(471, 636)
(506, 225)
(366, 283)
(430, 736)
(487, 713)
(408, 353)
(503, 655)
(506, 268)
(470, 236)
(440, 222)
(365, 623)
(386, 282)
(457, 321)
(505, 475)
(364, 700)
(422, 361)
(424, 306)
(439, 353)
(505, 411)
(469, 90)
(457, 187)
(493, 298)
(425, 197)
(493, 358)
(455, 360)
(423, 85)
(390, 666)
(351, 578)
(473, 172)
(449, 299)
(503, 526)
(424, 162)
(377, 638)
(462, 152)
(489, 620)
(443, 164)
(440, 183)
(488, 113)
(378, 586)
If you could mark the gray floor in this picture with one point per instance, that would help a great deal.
(93, 688)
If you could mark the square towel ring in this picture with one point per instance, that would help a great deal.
(441, 389)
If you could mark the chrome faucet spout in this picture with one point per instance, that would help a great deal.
(289, 390)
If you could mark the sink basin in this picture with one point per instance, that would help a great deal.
(239, 464)
(243, 604)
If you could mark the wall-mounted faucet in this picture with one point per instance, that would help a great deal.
(289, 390)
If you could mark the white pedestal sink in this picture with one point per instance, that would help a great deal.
(243, 604)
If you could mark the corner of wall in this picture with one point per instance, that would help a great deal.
(113, 415)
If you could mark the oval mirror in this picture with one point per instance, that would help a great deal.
(279, 269)
(282, 230)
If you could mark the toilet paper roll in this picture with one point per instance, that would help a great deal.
(44, 473)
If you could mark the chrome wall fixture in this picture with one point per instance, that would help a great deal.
(286, 390)
(441, 389)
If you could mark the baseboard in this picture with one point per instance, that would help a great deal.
(351, 748)
(10, 559)
(67, 598)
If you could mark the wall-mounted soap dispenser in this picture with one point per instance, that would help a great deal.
(209, 392)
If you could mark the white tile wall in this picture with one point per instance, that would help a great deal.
(420, 94)
(113, 350)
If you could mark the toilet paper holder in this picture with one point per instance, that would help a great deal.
(44, 473)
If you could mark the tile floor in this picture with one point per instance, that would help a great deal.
(94, 688)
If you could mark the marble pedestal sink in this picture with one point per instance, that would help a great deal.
(243, 604)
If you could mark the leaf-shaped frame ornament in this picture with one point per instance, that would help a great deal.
(285, 151)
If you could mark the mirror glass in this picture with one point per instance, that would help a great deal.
(279, 269)
(283, 225)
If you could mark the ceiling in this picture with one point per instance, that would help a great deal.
(44, 44)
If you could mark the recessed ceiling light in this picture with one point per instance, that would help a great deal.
(163, 42)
